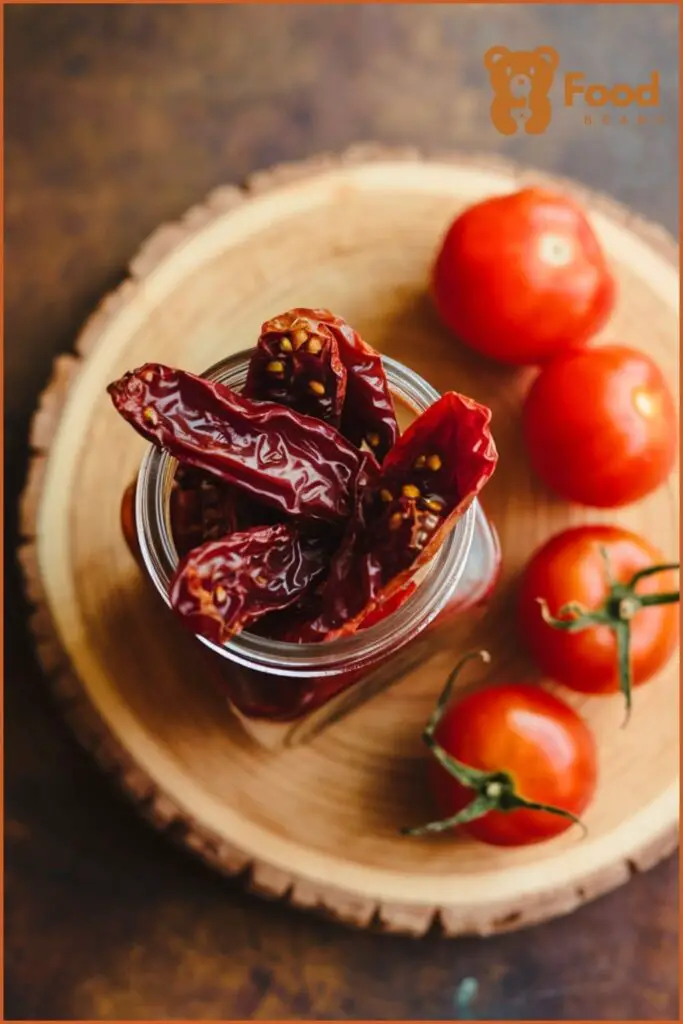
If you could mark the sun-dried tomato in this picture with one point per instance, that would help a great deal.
(299, 465)
(296, 363)
(389, 606)
(428, 480)
(434, 472)
(306, 621)
(222, 586)
(202, 508)
(368, 414)
(354, 534)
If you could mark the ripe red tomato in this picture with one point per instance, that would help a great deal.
(570, 568)
(521, 277)
(533, 737)
(600, 426)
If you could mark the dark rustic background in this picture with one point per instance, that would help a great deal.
(118, 118)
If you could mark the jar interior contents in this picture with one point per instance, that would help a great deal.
(203, 509)
(300, 510)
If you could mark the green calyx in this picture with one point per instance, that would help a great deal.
(617, 611)
(491, 791)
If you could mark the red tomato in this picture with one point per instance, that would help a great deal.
(521, 277)
(601, 426)
(569, 567)
(539, 741)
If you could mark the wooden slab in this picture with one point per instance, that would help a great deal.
(318, 825)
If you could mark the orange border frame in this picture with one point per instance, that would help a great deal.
(4, 3)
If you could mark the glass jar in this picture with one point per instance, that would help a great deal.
(276, 681)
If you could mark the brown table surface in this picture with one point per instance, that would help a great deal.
(119, 118)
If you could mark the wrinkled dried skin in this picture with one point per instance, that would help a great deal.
(453, 438)
(202, 508)
(309, 620)
(222, 586)
(295, 463)
(427, 482)
(245, 463)
(296, 363)
(368, 417)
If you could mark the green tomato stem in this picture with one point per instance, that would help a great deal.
(651, 571)
(492, 791)
(647, 600)
(445, 694)
(623, 634)
(620, 607)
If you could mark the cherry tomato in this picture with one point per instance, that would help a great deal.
(571, 568)
(521, 277)
(600, 426)
(537, 741)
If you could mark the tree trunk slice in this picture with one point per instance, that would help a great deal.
(317, 825)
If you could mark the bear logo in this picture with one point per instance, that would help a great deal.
(521, 81)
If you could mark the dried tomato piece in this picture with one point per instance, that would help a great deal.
(368, 414)
(389, 606)
(309, 621)
(296, 363)
(282, 458)
(222, 586)
(435, 471)
(301, 625)
(428, 480)
(202, 508)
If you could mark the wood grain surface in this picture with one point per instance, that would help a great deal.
(170, 940)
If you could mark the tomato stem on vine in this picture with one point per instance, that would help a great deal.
(618, 610)
(445, 694)
(651, 599)
(478, 807)
(651, 571)
(623, 634)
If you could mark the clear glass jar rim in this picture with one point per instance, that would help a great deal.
(442, 576)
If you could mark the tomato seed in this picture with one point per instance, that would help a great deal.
(299, 337)
(434, 504)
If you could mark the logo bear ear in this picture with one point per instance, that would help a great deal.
(549, 55)
(495, 55)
